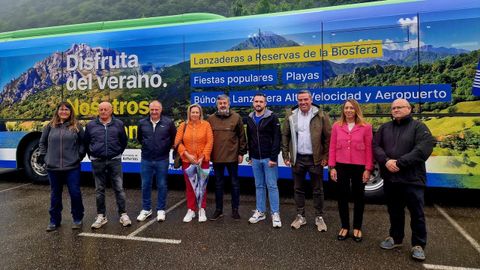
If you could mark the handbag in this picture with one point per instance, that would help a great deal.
(177, 161)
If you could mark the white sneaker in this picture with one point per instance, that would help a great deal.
(160, 215)
(299, 222)
(125, 220)
(99, 221)
(321, 226)
(188, 217)
(257, 216)
(202, 217)
(144, 214)
(276, 222)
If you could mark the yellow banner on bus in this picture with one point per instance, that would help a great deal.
(296, 54)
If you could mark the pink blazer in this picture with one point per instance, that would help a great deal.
(351, 147)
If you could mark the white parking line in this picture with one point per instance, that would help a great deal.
(459, 228)
(445, 267)
(155, 220)
(135, 238)
(137, 231)
(15, 187)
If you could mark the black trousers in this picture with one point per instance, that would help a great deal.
(303, 165)
(219, 170)
(350, 175)
(398, 196)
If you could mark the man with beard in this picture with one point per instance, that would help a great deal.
(229, 146)
(264, 136)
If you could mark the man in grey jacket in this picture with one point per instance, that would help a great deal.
(305, 141)
(105, 140)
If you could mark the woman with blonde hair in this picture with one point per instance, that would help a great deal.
(194, 140)
(351, 162)
(61, 149)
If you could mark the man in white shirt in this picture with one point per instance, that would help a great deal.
(305, 141)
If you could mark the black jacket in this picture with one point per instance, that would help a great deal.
(105, 142)
(410, 142)
(156, 144)
(264, 140)
(63, 148)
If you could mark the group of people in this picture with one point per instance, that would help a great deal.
(308, 143)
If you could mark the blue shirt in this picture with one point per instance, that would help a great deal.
(257, 118)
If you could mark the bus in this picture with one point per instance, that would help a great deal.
(426, 51)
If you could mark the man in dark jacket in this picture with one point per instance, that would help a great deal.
(156, 133)
(229, 146)
(264, 136)
(401, 148)
(305, 142)
(105, 140)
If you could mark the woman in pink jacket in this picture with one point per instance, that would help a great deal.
(351, 161)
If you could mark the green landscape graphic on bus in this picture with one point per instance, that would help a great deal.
(375, 59)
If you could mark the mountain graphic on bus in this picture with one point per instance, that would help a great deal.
(52, 70)
(48, 72)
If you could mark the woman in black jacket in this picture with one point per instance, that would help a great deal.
(61, 147)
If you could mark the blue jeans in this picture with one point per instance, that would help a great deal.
(147, 170)
(108, 169)
(266, 178)
(72, 179)
(219, 170)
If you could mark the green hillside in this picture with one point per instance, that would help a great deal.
(23, 14)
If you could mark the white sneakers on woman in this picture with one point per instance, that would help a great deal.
(202, 216)
(189, 216)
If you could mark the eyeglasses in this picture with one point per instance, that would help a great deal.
(398, 107)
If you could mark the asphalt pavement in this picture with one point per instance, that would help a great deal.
(453, 235)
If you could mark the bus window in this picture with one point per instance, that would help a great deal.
(449, 56)
(28, 77)
(223, 57)
(297, 42)
(367, 55)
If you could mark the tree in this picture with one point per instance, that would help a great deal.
(238, 8)
(263, 7)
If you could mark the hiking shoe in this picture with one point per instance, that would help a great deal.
(216, 215)
(276, 222)
(418, 253)
(256, 217)
(160, 215)
(125, 220)
(189, 216)
(299, 222)
(389, 243)
(52, 227)
(77, 225)
(321, 226)
(202, 216)
(99, 221)
(235, 214)
(144, 214)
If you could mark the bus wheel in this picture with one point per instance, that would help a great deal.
(374, 186)
(35, 171)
